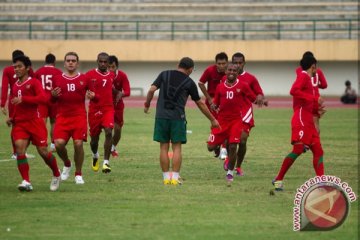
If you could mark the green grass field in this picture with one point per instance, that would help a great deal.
(132, 202)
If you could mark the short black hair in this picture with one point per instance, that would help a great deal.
(113, 59)
(50, 58)
(347, 83)
(237, 55)
(16, 53)
(307, 62)
(186, 63)
(221, 56)
(308, 54)
(24, 59)
(102, 54)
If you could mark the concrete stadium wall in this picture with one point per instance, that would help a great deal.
(273, 62)
(155, 51)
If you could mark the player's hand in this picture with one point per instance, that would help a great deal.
(118, 97)
(90, 94)
(3, 110)
(259, 100)
(56, 92)
(146, 110)
(320, 101)
(146, 107)
(266, 102)
(16, 100)
(215, 124)
(213, 107)
(9, 122)
(321, 110)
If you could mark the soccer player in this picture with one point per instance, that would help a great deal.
(8, 80)
(27, 93)
(46, 75)
(303, 132)
(170, 122)
(212, 77)
(318, 81)
(101, 110)
(121, 89)
(247, 111)
(228, 100)
(70, 89)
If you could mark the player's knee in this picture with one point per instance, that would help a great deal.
(78, 144)
(211, 147)
(43, 152)
(298, 149)
(59, 143)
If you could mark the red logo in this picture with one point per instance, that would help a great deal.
(325, 207)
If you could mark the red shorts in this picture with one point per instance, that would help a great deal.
(99, 120)
(47, 110)
(230, 130)
(119, 114)
(74, 127)
(34, 130)
(247, 127)
(308, 135)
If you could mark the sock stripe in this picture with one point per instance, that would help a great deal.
(22, 161)
(320, 161)
(292, 155)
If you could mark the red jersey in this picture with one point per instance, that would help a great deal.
(253, 83)
(71, 102)
(8, 80)
(231, 99)
(46, 75)
(318, 81)
(121, 83)
(212, 77)
(101, 84)
(32, 95)
(303, 97)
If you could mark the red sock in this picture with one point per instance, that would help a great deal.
(318, 163)
(289, 160)
(67, 163)
(51, 162)
(78, 173)
(23, 167)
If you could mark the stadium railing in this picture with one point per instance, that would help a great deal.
(181, 30)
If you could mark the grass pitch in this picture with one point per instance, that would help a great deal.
(132, 202)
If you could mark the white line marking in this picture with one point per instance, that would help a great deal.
(7, 160)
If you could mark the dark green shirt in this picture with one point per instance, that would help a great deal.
(175, 88)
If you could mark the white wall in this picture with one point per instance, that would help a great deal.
(274, 77)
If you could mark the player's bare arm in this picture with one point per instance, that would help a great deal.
(205, 92)
(149, 97)
(203, 108)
